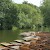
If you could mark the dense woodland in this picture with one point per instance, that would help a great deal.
(24, 16)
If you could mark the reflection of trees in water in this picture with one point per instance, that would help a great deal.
(1, 23)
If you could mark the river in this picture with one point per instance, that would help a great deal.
(9, 35)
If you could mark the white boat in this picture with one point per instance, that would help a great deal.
(26, 34)
(18, 41)
(15, 43)
(14, 48)
(6, 44)
(31, 37)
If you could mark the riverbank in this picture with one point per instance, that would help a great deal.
(40, 42)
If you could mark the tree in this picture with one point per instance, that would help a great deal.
(3, 8)
(20, 15)
(25, 2)
(8, 11)
(31, 15)
(45, 9)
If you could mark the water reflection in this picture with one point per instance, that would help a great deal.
(9, 35)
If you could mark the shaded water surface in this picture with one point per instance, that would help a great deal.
(9, 35)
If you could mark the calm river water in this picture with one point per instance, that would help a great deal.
(9, 35)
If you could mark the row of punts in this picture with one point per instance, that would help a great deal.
(30, 41)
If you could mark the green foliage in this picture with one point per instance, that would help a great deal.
(31, 15)
(4, 6)
(45, 9)
(14, 28)
(22, 16)
(8, 13)
(25, 2)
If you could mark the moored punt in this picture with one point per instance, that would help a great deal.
(27, 38)
(14, 48)
(26, 34)
(6, 44)
(18, 41)
(4, 48)
(31, 38)
(15, 43)
(26, 43)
